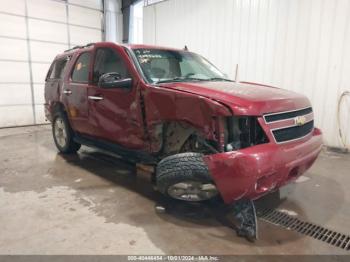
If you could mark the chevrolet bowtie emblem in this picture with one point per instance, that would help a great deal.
(300, 120)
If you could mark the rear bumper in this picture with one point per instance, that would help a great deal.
(47, 109)
(255, 171)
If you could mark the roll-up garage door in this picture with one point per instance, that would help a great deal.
(32, 33)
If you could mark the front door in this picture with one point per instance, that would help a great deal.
(114, 112)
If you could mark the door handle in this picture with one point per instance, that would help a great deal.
(67, 91)
(95, 98)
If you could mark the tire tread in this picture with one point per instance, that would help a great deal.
(181, 167)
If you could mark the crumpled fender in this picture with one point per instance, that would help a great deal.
(165, 105)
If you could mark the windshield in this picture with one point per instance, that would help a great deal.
(160, 66)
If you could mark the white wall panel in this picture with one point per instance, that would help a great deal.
(40, 114)
(13, 49)
(39, 72)
(96, 4)
(47, 28)
(46, 52)
(113, 20)
(47, 9)
(298, 45)
(15, 94)
(17, 115)
(13, 26)
(14, 72)
(85, 17)
(136, 23)
(81, 36)
(149, 24)
(47, 31)
(39, 94)
(13, 7)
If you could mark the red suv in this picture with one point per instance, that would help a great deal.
(205, 134)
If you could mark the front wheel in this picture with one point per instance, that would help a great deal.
(185, 177)
(63, 134)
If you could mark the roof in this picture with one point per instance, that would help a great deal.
(132, 46)
(137, 46)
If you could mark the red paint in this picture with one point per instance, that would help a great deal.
(118, 118)
(245, 99)
(236, 173)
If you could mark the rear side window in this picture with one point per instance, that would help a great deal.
(81, 68)
(57, 69)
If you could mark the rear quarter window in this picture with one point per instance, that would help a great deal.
(57, 69)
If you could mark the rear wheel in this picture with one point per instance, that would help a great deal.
(63, 134)
(185, 177)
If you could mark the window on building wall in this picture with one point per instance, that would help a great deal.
(151, 2)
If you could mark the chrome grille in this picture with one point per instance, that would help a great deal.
(292, 133)
(287, 115)
(290, 125)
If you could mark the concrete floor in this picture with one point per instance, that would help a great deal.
(92, 203)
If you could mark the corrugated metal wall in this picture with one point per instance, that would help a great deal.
(300, 45)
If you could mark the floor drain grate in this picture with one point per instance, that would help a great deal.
(317, 232)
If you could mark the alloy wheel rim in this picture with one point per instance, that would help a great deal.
(60, 132)
(192, 191)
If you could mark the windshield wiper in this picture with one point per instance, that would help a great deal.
(219, 79)
(180, 79)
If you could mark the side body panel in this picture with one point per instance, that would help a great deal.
(75, 102)
(52, 92)
(164, 105)
(51, 97)
(117, 117)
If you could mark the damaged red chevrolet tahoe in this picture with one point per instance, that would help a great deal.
(206, 135)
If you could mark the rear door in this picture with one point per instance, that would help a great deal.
(114, 113)
(53, 83)
(74, 93)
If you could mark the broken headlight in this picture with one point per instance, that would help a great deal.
(242, 132)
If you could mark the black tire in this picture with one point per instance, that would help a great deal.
(69, 145)
(181, 168)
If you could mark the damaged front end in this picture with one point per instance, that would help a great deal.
(242, 132)
(253, 163)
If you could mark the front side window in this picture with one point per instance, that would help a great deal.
(108, 61)
(81, 68)
(159, 65)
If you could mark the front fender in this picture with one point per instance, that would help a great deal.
(199, 113)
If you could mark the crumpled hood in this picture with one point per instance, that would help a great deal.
(244, 98)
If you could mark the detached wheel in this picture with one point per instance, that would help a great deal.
(63, 134)
(185, 177)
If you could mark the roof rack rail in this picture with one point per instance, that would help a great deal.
(79, 46)
(75, 47)
(89, 44)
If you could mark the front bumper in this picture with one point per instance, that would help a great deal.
(254, 171)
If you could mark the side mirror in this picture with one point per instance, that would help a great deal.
(113, 80)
